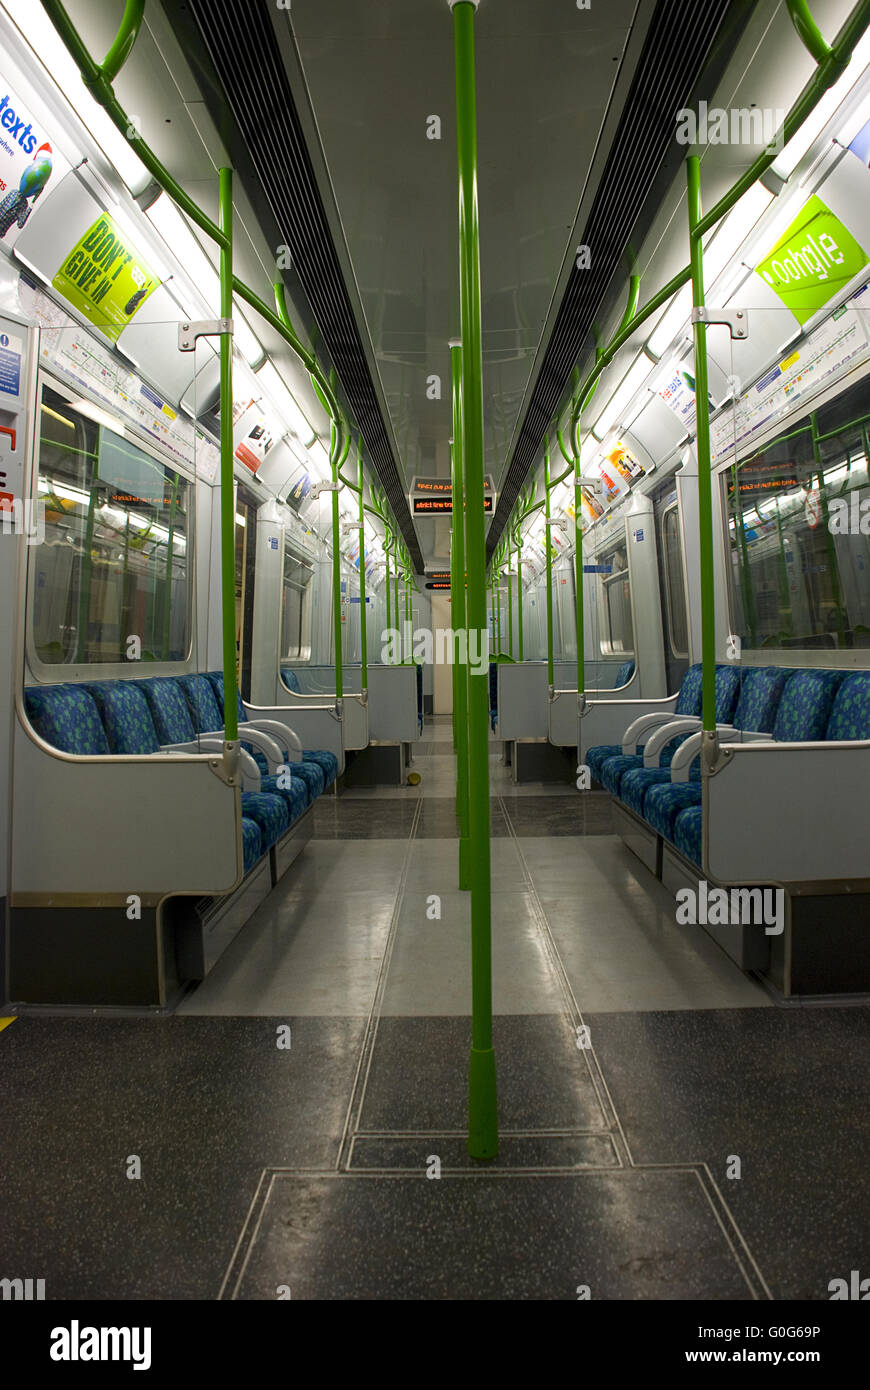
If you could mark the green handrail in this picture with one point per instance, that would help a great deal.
(510, 599)
(363, 614)
(131, 23)
(482, 1103)
(227, 497)
(705, 477)
(549, 561)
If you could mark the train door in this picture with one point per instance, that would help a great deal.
(245, 566)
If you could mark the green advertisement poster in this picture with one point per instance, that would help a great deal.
(815, 258)
(105, 278)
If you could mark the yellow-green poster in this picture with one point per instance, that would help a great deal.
(105, 278)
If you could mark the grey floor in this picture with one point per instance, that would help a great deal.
(300, 1119)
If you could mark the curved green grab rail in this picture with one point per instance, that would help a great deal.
(128, 32)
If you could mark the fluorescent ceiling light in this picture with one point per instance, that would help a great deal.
(286, 405)
(734, 229)
(854, 123)
(69, 494)
(180, 240)
(789, 158)
(671, 321)
(240, 520)
(245, 338)
(51, 52)
(625, 393)
(320, 459)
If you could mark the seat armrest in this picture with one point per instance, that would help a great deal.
(687, 724)
(214, 743)
(281, 733)
(635, 731)
(688, 751)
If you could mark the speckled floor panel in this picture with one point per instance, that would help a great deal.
(480, 1236)
(784, 1091)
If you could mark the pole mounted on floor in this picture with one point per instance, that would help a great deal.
(459, 616)
(482, 1107)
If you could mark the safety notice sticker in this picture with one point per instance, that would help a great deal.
(10, 364)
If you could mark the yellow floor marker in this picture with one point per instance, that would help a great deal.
(5, 1022)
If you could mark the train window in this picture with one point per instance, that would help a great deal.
(675, 583)
(295, 608)
(799, 532)
(617, 604)
(110, 583)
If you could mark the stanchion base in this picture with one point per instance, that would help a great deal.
(482, 1104)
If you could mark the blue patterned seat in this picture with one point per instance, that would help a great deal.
(271, 813)
(169, 709)
(688, 833)
(252, 842)
(624, 674)
(805, 707)
(660, 800)
(688, 702)
(126, 718)
(290, 679)
(66, 717)
(627, 777)
(318, 768)
(296, 794)
(850, 715)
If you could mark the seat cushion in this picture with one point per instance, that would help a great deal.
(325, 760)
(850, 715)
(760, 693)
(295, 795)
(689, 698)
(688, 833)
(66, 717)
(636, 782)
(624, 674)
(216, 681)
(126, 717)
(169, 710)
(290, 679)
(805, 706)
(596, 757)
(202, 704)
(664, 802)
(727, 692)
(614, 769)
(271, 813)
(252, 842)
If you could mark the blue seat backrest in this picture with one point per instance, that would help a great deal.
(216, 681)
(727, 692)
(207, 717)
(850, 715)
(67, 718)
(624, 674)
(126, 717)
(805, 706)
(760, 693)
(290, 679)
(169, 709)
(689, 698)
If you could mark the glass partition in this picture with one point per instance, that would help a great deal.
(111, 581)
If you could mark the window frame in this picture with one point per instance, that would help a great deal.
(43, 673)
(674, 507)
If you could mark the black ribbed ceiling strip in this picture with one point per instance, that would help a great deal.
(243, 49)
(677, 45)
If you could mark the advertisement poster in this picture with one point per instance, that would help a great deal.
(28, 164)
(105, 278)
(813, 261)
(620, 460)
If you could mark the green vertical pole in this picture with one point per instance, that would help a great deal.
(363, 607)
(228, 507)
(336, 563)
(459, 616)
(550, 681)
(705, 484)
(510, 603)
(482, 1102)
(520, 596)
(579, 616)
(167, 587)
(387, 559)
(497, 591)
